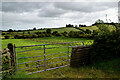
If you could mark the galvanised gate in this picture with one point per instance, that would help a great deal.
(37, 56)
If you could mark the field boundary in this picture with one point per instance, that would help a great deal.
(44, 55)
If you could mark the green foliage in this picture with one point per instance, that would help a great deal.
(106, 46)
(99, 21)
(10, 30)
(103, 28)
(34, 28)
(48, 31)
(69, 25)
(79, 34)
(64, 34)
(55, 33)
(34, 36)
(7, 37)
(88, 31)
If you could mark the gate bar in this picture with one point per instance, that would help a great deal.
(15, 57)
(44, 59)
(68, 53)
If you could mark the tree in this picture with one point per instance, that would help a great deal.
(6, 37)
(34, 28)
(99, 21)
(55, 32)
(28, 32)
(23, 32)
(69, 25)
(48, 31)
(88, 31)
(75, 25)
(10, 30)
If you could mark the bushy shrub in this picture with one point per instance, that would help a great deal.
(106, 46)
(88, 31)
(58, 34)
(3, 33)
(25, 36)
(55, 33)
(64, 34)
(43, 35)
(37, 33)
(79, 34)
(48, 31)
(34, 36)
(48, 35)
(18, 36)
(7, 37)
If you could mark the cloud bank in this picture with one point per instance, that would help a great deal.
(26, 15)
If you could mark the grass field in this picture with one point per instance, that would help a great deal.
(97, 70)
(35, 41)
(63, 40)
(91, 28)
(18, 42)
(67, 29)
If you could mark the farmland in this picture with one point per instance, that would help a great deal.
(98, 70)
(36, 41)
(91, 28)
(60, 40)
(101, 70)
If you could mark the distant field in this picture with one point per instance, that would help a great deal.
(24, 42)
(63, 39)
(62, 29)
(110, 27)
(91, 28)
(18, 42)
(67, 29)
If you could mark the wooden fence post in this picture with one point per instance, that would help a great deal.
(12, 52)
(15, 57)
(10, 47)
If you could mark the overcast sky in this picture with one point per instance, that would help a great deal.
(26, 15)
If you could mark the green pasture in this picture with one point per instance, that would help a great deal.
(98, 70)
(18, 42)
(91, 28)
(102, 70)
(26, 42)
(64, 40)
(67, 29)
(36, 41)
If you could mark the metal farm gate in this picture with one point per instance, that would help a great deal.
(39, 57)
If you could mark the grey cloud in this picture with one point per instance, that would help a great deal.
(20, 7)
(85, 6)
(52, 14)
(51, 11)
